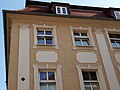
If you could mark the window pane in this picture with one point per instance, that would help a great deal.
(51, 76)
(43, 76)
(76, 34)
(95, 86)
(52, 86)
(113, 43)
(85, 76)
(43, 86)
(93, 76)
(58, 10)
(49, 41)
(64, 10)
(85, 42)
(40, 32)
(114, 35)
(78, 42)
(118, 43)
(48, 32)
(40, 40)
(83, 34)
(87, 86)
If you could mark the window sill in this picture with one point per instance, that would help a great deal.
(45, 45)
(116, 48)
(85, 47)
(38, 46)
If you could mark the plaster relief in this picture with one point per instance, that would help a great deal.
(86, 57)
(117, 57)
(46, 56)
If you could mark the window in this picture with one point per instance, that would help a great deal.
(44, 37)
(117, 14)
(47, 80)
(115, 40)
(61, 10)
(81, 39)
(90, 80)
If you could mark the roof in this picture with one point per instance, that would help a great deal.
(38, 7)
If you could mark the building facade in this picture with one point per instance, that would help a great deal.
(58, 46)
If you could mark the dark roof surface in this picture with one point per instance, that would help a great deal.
(38, 7)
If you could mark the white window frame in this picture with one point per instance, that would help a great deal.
(45, 27)
(111, 30)
(115, 39)
(50, 81)
(61, 10)
(91, 81)
(89, 34)
(117, 12)
(45, 37)
(99, 72)
(48, 67)
(81, 38)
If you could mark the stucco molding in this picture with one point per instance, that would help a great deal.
(107, 61)
(36, 68)
(24, 26)
(107, 31)
(112, 29)
(23, 58)
(118, 66)
(80, 28)
(98, 30)
(86, 57)
(117, 57)
(100, 75)
(44, 26)
(89, 32)
(52, 56)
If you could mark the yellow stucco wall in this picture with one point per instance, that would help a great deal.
(66, 53)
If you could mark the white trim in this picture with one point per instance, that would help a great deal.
(117, 17)
(101, 78)
(36, 79)
(107, 31)
(111, 29)
(23, 58)
(80, 77)
(61, 11)
(59, 85)
(118, 66)
(89, 34)
(35, 26)
(99, 73)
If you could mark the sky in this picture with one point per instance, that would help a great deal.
(20, 4)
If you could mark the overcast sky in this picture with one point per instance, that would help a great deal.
(19, 4)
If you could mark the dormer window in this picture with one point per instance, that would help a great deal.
(117, 14)
(61, 10)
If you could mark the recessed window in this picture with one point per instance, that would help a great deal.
(47, 80)
(90, 80)
(44, 37)
(81, 38)
(61, 10)
(115, 40)
(117, 14)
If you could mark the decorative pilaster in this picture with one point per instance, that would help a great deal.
(106, 58)
(23, 60)
(80, 77)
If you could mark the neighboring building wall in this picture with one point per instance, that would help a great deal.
(66, 59)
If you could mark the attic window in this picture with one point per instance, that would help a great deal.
(117, 14)
(61, 10)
